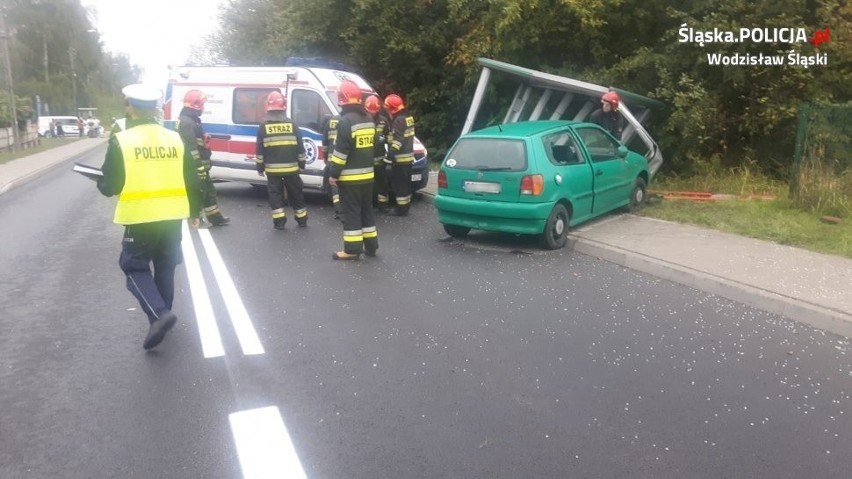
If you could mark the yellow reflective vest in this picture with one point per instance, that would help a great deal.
(154, 188)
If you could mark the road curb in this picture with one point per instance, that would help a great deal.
(41, 169)
(826, 319)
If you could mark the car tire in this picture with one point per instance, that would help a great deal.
(555, 233)
(638, 195)
(456, 231)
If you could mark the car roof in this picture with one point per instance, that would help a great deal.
(521, 129)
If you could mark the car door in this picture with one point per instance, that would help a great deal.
(572, 173)
(611, 172)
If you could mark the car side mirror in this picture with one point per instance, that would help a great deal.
(622, 151)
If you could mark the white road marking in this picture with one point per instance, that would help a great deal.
(264, 446)
(211, 341)
(246, 334)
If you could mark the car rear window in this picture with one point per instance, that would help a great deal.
(495, 154)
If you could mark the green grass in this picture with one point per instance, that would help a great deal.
(777, 220)
(46, 144)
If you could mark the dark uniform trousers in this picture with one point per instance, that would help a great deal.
(401, 180)
(208, 196)
(356, 204)
(380, 183)
(142, 245)
(286, 188)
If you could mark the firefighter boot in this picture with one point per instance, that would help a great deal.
(218, 219)
(344, 256)
(279, 223)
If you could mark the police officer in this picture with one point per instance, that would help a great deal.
(329, 136)
(400, 152)
(352, 171)
(608, 116)
(280, 156)
(194, 140)
(381, 164)
(153, 198)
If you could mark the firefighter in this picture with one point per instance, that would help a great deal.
(329, 136)
(373, 105)
(352, 171)
(153, 199)
(608, 116)
(280, 156)
(194, 140)
(400, 152)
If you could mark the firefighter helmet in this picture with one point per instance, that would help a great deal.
(612, 98)
(348, 93)
(195, 99)
(393, 103)
(372, 104)
(275, 101)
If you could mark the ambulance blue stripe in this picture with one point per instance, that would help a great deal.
(239, 130)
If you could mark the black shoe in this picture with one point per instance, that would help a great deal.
(302, 223)
(370, 252)
(158, 329)
(384, 210)
(219, 220)
(279, 223)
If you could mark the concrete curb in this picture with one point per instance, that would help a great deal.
(62, 158)
(837, 322)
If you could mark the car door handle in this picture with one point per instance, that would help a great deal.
(598, 172)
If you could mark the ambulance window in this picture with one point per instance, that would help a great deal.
(250, 105)
(309, 108)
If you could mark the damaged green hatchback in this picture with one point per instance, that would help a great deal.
(537, 177)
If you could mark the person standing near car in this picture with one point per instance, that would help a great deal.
(352, 171)
(608, 116)
(280, 156)
(154, 177)
(329, 136)
(194, 140)
(373, 105)
(400, 152)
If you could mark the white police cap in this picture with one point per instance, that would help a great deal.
(141, 95)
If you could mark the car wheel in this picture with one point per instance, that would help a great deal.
(456, 231)
(637, 196)
(555, 233)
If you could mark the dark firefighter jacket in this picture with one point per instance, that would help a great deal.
(352, 160)
(279, 147)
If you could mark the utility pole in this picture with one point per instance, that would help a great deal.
(13, 114)
(71, 53)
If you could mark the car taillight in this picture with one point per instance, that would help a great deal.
(442, 179)
(532, 185)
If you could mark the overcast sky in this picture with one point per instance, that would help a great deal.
(154, 33)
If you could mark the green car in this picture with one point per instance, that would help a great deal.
(537, 177)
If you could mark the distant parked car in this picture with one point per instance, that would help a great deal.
(537, 177)
(69, 126)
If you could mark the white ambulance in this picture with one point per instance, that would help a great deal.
(236, 105)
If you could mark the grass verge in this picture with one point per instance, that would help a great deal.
(46, 144)
(777, 220)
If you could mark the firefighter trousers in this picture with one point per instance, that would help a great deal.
(290, 185)
(380, 185)
(359, 224)
(208, 197)
(401, 181)
(151, 244)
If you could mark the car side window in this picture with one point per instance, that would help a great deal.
(308, 109)
(562, 149)
(601, 147)
(250, 105)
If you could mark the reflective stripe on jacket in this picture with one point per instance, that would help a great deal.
(154, 187)
(352, 160)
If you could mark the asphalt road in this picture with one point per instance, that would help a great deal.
(483, 358)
